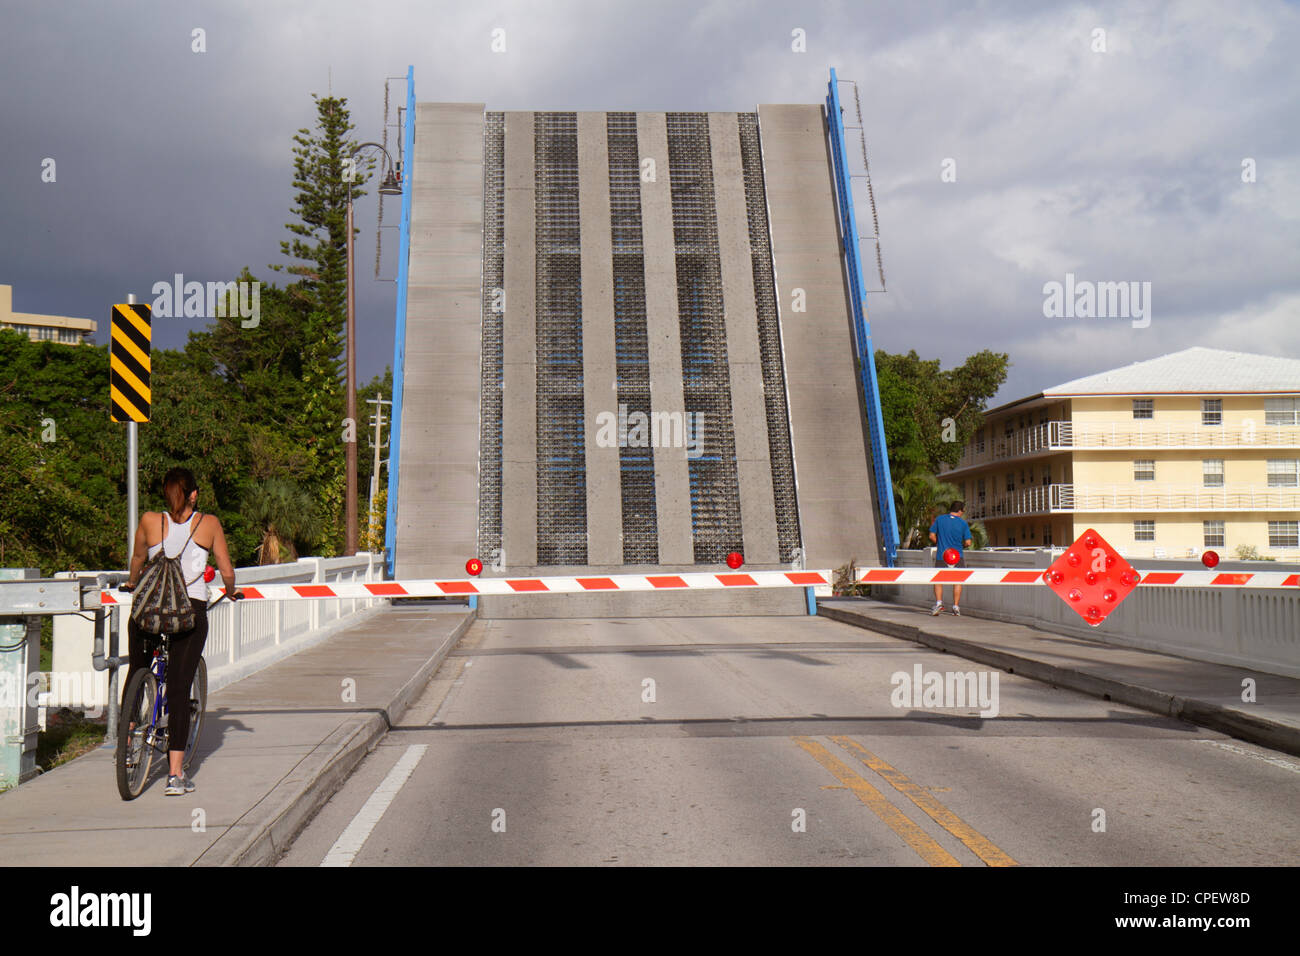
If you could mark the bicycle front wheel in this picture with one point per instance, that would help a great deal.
(198, 704)
(135, 745)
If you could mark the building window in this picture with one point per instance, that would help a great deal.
(1282, 411)
(1144, 408)
(1284, 472)
(1047, 535)
(1284, 534)
(1144, 469)
(1213, 534)
(1211, 411)
(1212, 473)
(1047, 476)
(979, 441)
(979, 490)
(1011, 482)
(1009, 428)
(1011, 541)
(1144, 530)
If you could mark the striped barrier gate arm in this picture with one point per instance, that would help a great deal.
(820, 581)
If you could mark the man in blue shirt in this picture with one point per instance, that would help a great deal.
(950, 531)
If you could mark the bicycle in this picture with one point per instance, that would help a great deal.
(145, 705)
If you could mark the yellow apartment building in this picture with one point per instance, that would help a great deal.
(1191, 451)
(42, 328)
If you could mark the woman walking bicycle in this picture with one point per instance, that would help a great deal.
(180, 532)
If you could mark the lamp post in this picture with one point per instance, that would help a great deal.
(390, 186)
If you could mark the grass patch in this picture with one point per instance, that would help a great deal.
(47, 642)
(67, 736)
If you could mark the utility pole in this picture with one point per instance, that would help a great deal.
(378, 421)
(350, 499)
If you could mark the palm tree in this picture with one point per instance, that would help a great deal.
(919, 498)
(286, 514)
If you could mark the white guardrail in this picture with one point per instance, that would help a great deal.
(243, 637)
(1251, 623)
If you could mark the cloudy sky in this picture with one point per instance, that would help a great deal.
(1010, 144)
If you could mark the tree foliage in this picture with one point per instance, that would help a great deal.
(929, 415)
(255, 412)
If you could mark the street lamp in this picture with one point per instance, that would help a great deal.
(389, 186)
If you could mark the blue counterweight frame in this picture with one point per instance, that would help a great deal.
(861, 327)
(399, 336)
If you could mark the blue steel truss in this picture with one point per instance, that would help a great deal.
(862, 328)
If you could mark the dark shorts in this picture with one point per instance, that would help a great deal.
(940, 563)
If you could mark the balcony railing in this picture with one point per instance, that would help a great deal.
(1067, 436)
(1069, 498)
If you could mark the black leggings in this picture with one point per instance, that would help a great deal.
(186, 651)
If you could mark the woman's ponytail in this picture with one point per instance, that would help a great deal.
(178, 485)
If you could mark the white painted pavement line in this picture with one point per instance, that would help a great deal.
(350, 842)
(1275, 761)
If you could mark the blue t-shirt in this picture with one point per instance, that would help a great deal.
(951, 532)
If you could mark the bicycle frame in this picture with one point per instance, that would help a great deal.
(158, 666)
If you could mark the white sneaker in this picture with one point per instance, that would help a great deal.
(956, 611)
(937, 609)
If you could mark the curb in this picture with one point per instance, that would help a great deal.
(264, 833)
(1255, 730)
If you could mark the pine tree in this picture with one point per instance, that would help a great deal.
(324, 171)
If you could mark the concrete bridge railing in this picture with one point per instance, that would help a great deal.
(1256, 629)
(243, 638)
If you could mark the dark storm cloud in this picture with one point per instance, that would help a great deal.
(1122, 165)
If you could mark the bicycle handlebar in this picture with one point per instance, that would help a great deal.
(235, 595)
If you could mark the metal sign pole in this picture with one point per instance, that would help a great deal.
(132, 480)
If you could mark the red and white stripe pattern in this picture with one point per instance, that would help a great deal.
(820, 581)
(1179, 579)
(541, 585)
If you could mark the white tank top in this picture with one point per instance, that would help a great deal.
(193, 558)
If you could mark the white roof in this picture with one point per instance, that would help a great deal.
(1197, 371)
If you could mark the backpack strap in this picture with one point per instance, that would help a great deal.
(187, 542)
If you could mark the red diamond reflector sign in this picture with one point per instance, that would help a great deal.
(1091, 577)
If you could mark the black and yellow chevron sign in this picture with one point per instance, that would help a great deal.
(128, 364)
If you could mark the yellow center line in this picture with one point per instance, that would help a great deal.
(894, 818)
(979, 844)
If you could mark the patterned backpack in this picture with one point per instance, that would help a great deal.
(161, 603)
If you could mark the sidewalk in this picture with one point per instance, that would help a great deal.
(274, 747)
(1201, 693)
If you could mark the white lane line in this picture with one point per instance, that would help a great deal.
(350, 842)
(1275, 761)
